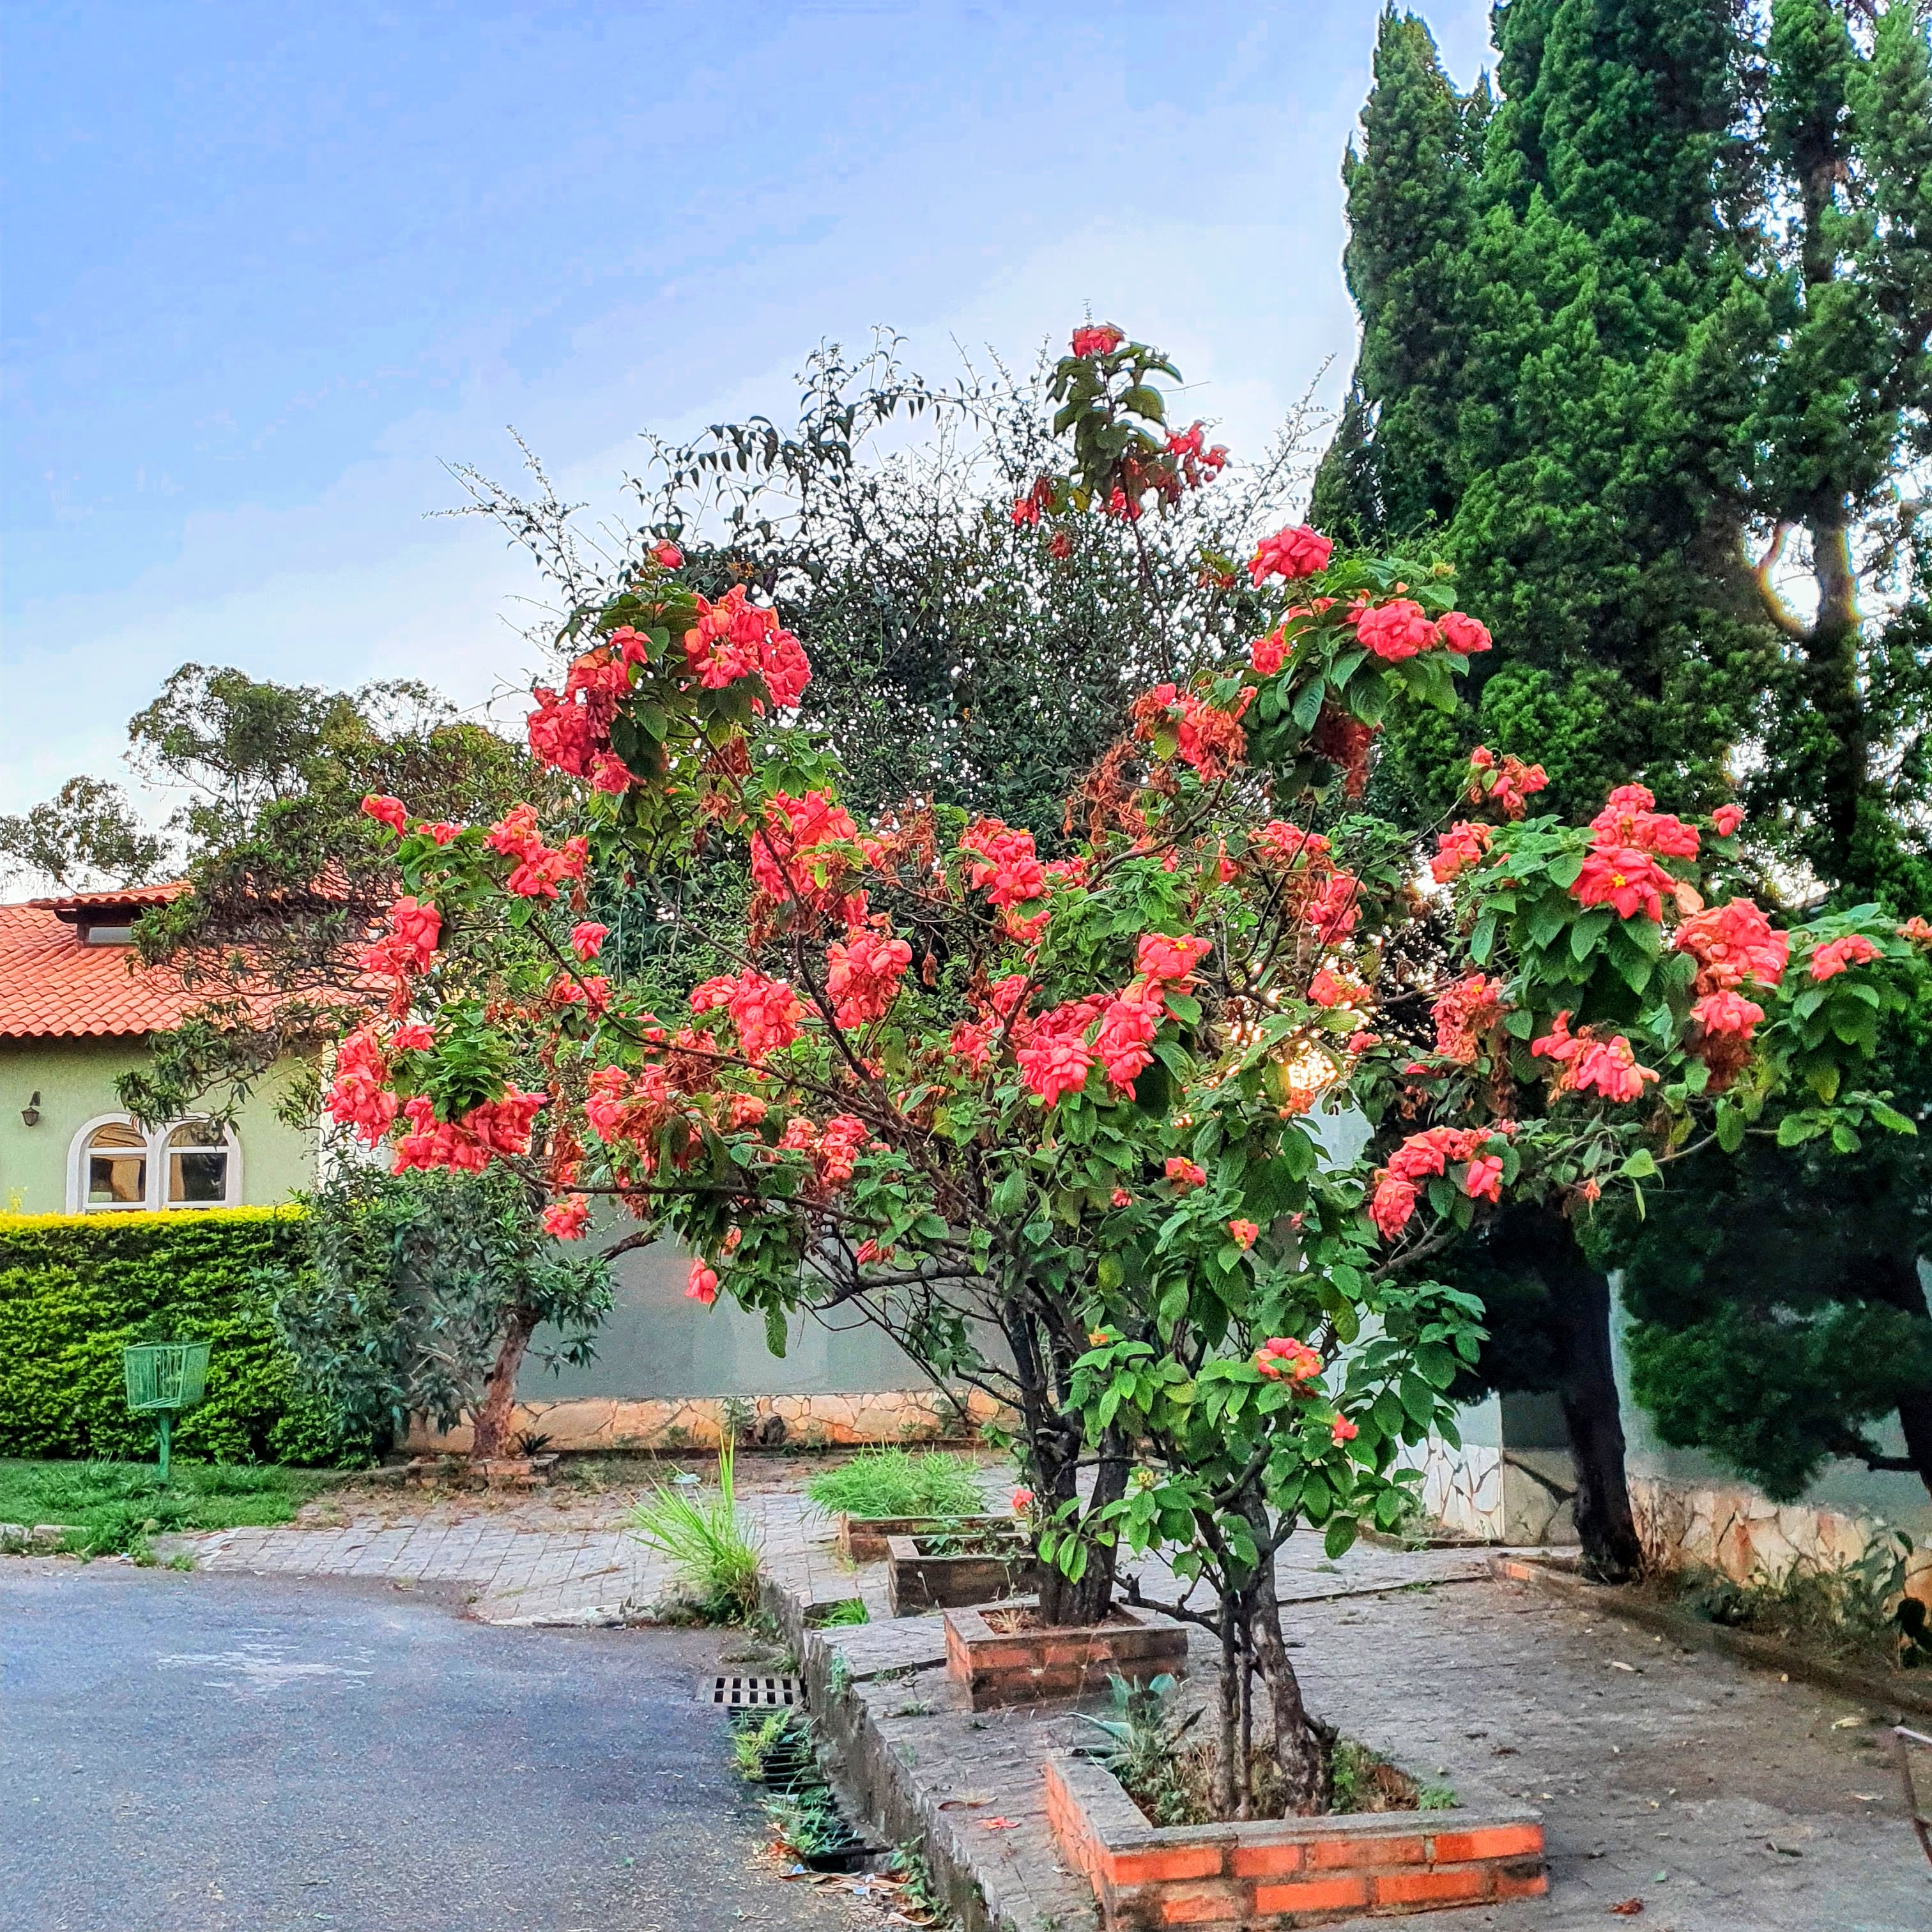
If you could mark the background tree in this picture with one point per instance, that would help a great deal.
(1682, 390)
(957, 654)
(421, 1295)
(85, 837)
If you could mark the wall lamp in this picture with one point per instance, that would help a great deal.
(30, 1114)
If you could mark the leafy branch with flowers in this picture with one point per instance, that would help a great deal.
(1053, 1115)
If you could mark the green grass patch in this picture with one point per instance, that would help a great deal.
(118, 1507)
(895, 1482)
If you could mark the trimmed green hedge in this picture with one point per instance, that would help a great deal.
(76, 1288)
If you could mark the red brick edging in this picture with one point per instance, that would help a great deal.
(1282, 1872)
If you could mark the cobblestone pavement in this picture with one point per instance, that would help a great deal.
(566, 1559)
(1720, 1797)
(531, 1560)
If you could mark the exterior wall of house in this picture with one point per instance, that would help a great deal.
(75, 1080)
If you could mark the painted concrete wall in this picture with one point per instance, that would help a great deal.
(75, 1080)
(656, 1344)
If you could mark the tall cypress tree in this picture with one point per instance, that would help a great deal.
(1683, 375)
(1411, 192)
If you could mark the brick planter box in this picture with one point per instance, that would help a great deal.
(915, 1582)
(1024, 1666)
(1283, 1871)
(861, 1539)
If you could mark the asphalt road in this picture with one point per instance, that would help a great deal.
(216, 1754)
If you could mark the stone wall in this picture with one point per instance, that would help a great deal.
(615, 1424)
(1742, 1533)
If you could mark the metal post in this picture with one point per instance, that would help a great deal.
(167, 1426)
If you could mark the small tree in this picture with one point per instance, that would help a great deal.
(421, 1295)
(962, 1089)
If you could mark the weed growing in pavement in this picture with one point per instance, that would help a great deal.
(841, 1615)
(919, 1898)
(710, 1545)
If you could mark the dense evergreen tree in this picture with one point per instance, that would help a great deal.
(1677, 371)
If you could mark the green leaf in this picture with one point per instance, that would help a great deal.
(1730, 1127)
(1308, 705)
(1642, 1165)
(1337, 1538)
(1586, 932)
(1011, 1193)
(1483, 939)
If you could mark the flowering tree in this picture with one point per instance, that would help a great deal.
(1048, 1119)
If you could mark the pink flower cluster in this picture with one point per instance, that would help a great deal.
(565, 1220)
(1832, 959)
(1297, 551)
(765, 1012)
(1461, 846)
(1506, 784)
(735, 638)
(1197, 461)
(359, 1096)
(863, 975)
(1319, 890)
(1284, 1358)
(570, 731)
(1206, 736)
(1401, 629)
(791, 857)
(410, 946)
(1433, 1152)
(834, 1148)
(1008, 867)
(1619, 869)
(1605, 1066)
(1100, 338)
(1463, 1013)
(494, 1128)
(1054, 1052)
(540, 868)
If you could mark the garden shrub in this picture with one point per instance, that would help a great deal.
(75, 1289)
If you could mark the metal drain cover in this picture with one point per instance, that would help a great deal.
(748, 1692)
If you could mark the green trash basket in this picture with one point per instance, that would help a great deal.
(163, 1379)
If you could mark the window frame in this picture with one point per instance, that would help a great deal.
(155, 1194)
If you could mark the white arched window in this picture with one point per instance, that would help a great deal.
(115, 1164)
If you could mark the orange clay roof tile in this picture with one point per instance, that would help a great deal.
(53, 986)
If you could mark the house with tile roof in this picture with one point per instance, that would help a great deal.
(76, 1008)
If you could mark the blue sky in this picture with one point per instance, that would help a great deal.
(268, 268)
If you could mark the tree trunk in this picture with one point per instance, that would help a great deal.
(490, 1425)
(1580, 1302)
(1302, 1744)
(1065, 1600)
(1893, 1280)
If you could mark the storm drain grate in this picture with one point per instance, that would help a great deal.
(748, 1693)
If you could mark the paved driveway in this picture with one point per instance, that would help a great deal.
(227, 1753)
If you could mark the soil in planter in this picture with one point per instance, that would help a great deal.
(1856, 1615)
(1180, 1790)
(1009, 1620)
